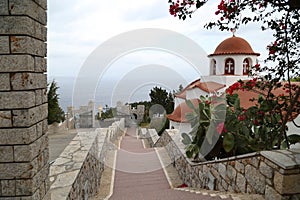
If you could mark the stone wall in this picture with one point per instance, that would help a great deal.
(23, 100)
(76, 173)
(63, 126)
(274, 174)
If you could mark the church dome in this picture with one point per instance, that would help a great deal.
(234, 45)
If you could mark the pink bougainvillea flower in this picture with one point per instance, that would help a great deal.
(221, 128)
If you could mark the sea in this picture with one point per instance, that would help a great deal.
(107, 93)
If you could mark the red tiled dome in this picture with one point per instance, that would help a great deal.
(234, 45)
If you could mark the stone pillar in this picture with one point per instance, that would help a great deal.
(24, 152)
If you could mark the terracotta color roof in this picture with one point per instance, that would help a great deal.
(182, 94)
(208, 87)
(178, 115)
(234, 45)
(245, 97)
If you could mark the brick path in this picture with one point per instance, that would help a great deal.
(139, 175)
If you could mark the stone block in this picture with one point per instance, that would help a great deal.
(240, 167)
(29, 8)
(42, 3)
(16, 170)
(27, 45)
(5, 119)
(6, 154)
(271, 194)
(241, 182)
(255, 161)
(29, 117)
(24, 187)
(286, 159)
(222, 170)
(266, 170)
(28, 81)
(4, 82)
(4, 42)
(255, 179)
(8, 187)
(211, 181)
(287, 184)
(26, 153)
(17, 136)
(16, 63)
(17, 100)
(4, 7)
(22, 25)
(38, 97)
(40, 64)
(44, 96)
(231, 173)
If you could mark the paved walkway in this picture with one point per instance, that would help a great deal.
(139, 174)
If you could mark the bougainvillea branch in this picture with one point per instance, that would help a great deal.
(283, 60)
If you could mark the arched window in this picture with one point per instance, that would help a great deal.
(229, 66)
(246, 65)
(213, 67)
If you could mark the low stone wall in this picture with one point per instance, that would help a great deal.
(274, 174)
(77, 172)
(57, 127)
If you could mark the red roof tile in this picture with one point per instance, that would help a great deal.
(234, 45)
(178, 115)
(208, 87)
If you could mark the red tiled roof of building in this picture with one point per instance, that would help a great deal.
(245, 97)
(208, 87)
(234, 45)
(178, 115)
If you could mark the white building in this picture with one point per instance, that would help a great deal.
(230, 62)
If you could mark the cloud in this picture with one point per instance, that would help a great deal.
(76, 28)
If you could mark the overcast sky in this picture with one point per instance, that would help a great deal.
(76, 28)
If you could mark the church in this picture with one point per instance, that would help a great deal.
(230, 62)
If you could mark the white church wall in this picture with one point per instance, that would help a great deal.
(195, 93)
(182, 127)
(238, 62)
(292, 129)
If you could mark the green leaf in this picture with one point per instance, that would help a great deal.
(186, 139)
(236, 104)
(293, 139)
(228, 142)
